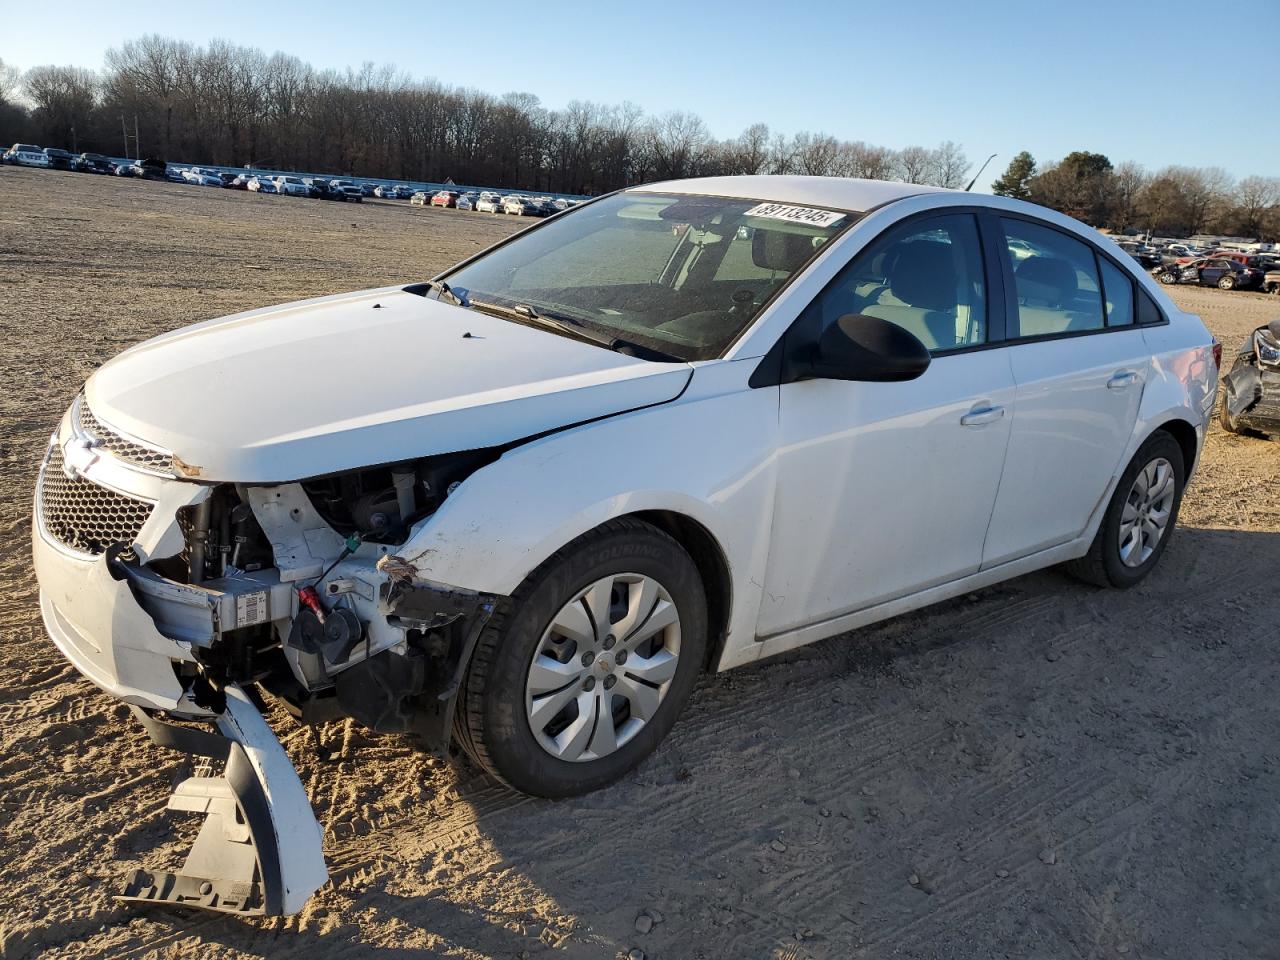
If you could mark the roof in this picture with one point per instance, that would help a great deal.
(843, 193)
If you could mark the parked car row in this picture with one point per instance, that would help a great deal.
(489, 201)
(1173, 263)
(320, 188)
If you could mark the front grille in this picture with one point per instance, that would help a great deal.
(156, 461)
(83, 515)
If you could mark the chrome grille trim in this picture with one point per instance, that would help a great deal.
(83, 516)
(150, 459)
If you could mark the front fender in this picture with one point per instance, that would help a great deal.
(708, 456)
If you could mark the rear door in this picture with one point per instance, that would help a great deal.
(1079, 365)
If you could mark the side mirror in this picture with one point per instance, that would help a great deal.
(858, 347)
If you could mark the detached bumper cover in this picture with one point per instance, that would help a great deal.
(259, 849)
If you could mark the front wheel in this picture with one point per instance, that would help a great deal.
(1167, 276)
(581, 674)
(1140, 517)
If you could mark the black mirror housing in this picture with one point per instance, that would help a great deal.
(858, 347)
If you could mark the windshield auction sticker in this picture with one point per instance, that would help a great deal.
(806, 215)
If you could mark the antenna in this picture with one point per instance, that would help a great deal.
(979, 173)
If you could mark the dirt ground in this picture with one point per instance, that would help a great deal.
(1038, 770)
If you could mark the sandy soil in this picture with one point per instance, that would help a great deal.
(1041, 769)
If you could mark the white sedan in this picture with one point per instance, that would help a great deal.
(291, 186)
(679, 428)
(489, 204)
(201, 178)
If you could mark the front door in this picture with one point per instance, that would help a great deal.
(884, 489)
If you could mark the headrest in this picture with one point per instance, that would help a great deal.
(777, 250)
(924, 276)
(1049, 280)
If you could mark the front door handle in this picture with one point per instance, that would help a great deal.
(1122, 380)
(982, 414)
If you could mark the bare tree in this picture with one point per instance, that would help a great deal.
(914, 164)
(1255, 198)
(750, 152)
(64, 99)
(10, 80)
(948, 165)
(814, 154)
(867, 161)
(678, 140)
(1128, 180)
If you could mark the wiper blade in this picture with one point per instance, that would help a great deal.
(523, 313)
(443, 289)
(573, 327)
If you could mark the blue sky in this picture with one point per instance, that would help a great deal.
(996, 76)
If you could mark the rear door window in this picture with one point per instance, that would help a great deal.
(1055, 281)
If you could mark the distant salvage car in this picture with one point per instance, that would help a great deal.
(445, 198)
(291, 186)
(1251, 388)
(1271, 281)
(1211, 272)
(522, 207)
(60, 159)
(526, 504)
(350, 192)
(153, 168)
(262, 185)
(94, 163)
(202, 178)
(26, 155)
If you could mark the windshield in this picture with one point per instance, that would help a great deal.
(683, 275)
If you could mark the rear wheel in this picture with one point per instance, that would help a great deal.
(583, 672)
(1140, 517)
(1226, 282)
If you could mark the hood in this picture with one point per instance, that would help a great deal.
(344, 382)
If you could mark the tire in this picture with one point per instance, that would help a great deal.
(1167, 276)
(493, 723)
(1226, 282)
(1104, 565)
(1229, 423)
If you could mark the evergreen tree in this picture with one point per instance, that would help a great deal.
(1014, 181)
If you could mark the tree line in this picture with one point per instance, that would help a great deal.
(234, 105)
(1174, 201)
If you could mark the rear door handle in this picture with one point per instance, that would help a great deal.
(982, 414)
(1122, 380)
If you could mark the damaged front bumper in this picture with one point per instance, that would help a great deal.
(258, 851)
(161, 647)
(1251, 388)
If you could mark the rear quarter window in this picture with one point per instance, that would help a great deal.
(1117, 294)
